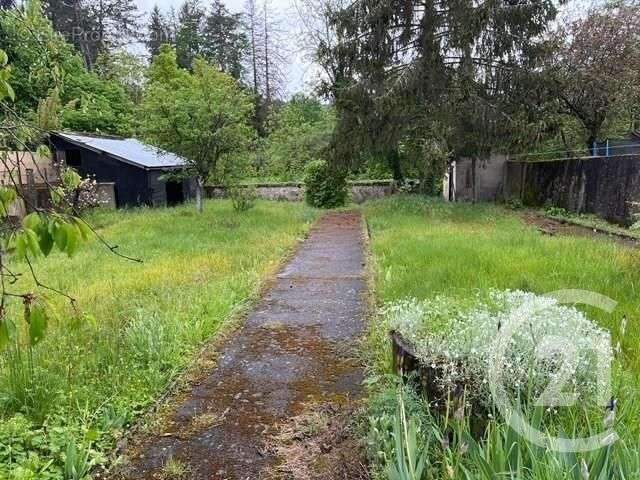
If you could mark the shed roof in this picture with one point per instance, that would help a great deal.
(129, 150)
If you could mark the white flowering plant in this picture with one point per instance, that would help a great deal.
(549, 344)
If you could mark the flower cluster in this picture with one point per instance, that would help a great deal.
(545, 344)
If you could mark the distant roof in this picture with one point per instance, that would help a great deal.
(129, 150)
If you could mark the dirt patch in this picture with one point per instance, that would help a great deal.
(318, 444)
(549, 226)
(296, 348)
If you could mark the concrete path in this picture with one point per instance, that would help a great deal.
(295, 348)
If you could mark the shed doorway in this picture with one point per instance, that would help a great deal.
(175, 192)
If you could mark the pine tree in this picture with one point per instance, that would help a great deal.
(403, 64)
(94, 26)
(189, 34)
(158, 32)
(224, 43)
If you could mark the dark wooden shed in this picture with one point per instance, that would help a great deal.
(136, 169)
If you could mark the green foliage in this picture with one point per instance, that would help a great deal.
(553, 211)
(44, 65)
(243, 197)
(224, 42)
(455, 250)
(445, 446)
(299, 132)
(462, 66)
(203, 116)
(124, 69)
(39, 57)
(64, 405)
(325, 187)
(96, 105)
(410, 454)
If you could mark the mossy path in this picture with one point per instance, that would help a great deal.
(294, 350)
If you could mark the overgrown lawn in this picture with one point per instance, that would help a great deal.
(425, 248)
(137, 326)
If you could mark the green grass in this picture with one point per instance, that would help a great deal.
(422, 248)
(138, 325)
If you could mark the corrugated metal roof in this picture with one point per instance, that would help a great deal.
(128, 150)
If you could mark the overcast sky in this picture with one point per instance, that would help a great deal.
(299, 71)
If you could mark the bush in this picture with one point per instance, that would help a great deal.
(242, 198)
(326, 187)
(460, 343)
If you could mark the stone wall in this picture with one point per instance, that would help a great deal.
(294, 192)
(489, 178)
(605, 186)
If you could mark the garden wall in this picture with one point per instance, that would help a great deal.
(606, 186)
(360, 191)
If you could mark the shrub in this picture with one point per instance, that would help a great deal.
(553, 211)
(326, 187)
(242, 198)
(460, 344)
(75, 194)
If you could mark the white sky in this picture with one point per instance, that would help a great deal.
(299, 71)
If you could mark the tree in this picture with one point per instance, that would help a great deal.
(395, 65)
(51, 74)
(97, 105)
(158, 32)
(299, 133)
(189, 33)
(595, 67)
(252, 15)
(94, 27)
(203, 116)
(267, 55)
(125, 69)
(224, 42)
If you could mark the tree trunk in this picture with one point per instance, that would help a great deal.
(474, 195)
(267, 79)
(199, 195)
(394, 163)
(590, 144)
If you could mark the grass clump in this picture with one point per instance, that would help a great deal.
(137, 325)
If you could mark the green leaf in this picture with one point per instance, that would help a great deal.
(43, 152)
(8, 91)
(71, 178)
(57, 194)
(33, 243)
(31, 221)
(46, 240)
(85, 230)
(73, 238)
(7, 197)
(4, 59)
(91, 435)
(60, 236)
(22, 244)
(37, 320)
